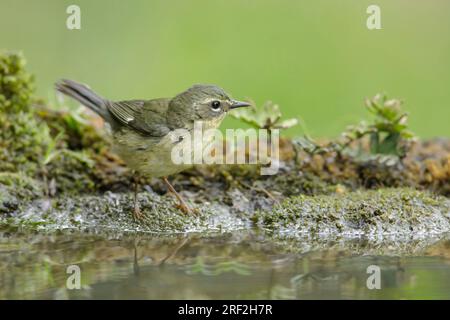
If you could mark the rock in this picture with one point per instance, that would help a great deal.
(373, 213)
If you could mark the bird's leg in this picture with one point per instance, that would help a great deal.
(182, 205)
(174, 252)
(137, 214)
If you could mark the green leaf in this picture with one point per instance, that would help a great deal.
(266, 117)
(374, 142)
(286, 124)
(306, 144)
(389, 144)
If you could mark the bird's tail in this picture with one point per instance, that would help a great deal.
(85, 96)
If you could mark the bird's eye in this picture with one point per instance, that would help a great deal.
(215, 105)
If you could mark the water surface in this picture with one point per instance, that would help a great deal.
(240, 265)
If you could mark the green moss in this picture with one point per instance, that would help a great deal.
(114, 211)
(294, 183)
(70, 172)
(16, 85)
(384, 211)
(23, 142)
(23, 138)
(17, 189)
(44, 144)
(73, 127)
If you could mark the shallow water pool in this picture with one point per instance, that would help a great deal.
(238, 265)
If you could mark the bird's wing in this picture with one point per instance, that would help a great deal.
(146, 116)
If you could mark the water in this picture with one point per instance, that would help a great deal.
(241, 265)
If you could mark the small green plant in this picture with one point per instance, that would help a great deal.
(312, 147)
(71, 125)
(267, 117)
(389, 134)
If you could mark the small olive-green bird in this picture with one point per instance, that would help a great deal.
(143, 130)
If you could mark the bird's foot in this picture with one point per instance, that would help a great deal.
(182, 205)
(186, 209)
(137, 214)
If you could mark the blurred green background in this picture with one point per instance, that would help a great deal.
(315, 58)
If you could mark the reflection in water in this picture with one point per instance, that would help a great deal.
(242, 265)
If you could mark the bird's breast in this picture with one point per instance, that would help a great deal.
(159, 157)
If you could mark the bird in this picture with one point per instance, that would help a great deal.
(143, 131)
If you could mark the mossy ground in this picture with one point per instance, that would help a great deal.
(112, 211)
(56, 172)
(17, 189)
(374, 212)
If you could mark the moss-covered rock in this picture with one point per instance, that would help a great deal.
(23, 142)
(52, 146)
(23, 138)
(375, 214)
(380, 212)
(16, 84)
(70, 172)
(17, 189)
(113, 212)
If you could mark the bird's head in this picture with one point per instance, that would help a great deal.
(203, 103)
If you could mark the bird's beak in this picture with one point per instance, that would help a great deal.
(238, 104)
